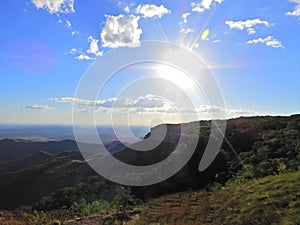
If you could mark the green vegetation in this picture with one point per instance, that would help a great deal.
(26, 215)
(272, 147)
(270, 200)
(119, 210)
(90, 189)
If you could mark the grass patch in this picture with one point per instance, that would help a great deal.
(269, 200)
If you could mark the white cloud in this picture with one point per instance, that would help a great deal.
(147, 101)
(74, 32)
(68, 23)
(209, 109)
(148, 104)
(197, 8)
(121, 31)
(185, 16)
(94, 49)
(251, 30)
(296, 11)
(83, 56)
(36, 106)
(247, 24)
(76, 101)
(126, 9)
(269, 41)
(186, 30)
(55, 6)
(240, 112)
(150, 11)
(73, 51)
(142, 105)
(204, 5)
(216, 41)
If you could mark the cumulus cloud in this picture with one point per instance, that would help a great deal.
(247, 24)
(36, 106)
(94, 49)
(296, 11)
(204, 5)
(55, 6)
(121, 31)
(269, 41)
(152, 11)
(185, 16)
(83, 56)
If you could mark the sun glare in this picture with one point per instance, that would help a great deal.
(178, 77)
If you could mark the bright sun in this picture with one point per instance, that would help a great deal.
(177, 76)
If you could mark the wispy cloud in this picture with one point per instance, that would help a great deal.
(74, 32)
(296, 11)
(127, 9)
(68, 24)
(36, 106)
(121, 31)
(148, 101)
(73, 51)
(269, 41)
(55, 6)
(250, 25)
(152, 11)
(186, 30)
(148, 104)
(80, 54)
(216, 41)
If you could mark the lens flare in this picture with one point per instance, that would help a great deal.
(205, 34)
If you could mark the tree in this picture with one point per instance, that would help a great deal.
(123, 201)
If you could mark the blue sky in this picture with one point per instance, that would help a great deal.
(251, 47)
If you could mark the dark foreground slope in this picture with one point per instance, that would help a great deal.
(254, 147)
(269, 200)
(264, 201)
